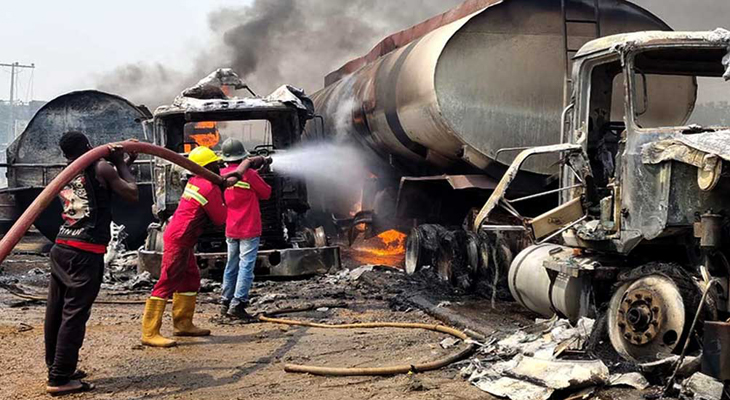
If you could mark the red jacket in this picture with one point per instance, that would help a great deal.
(244, 214)
(201, 201)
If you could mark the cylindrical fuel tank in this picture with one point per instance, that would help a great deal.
(35, 158)
(490, 80)
(549, 292)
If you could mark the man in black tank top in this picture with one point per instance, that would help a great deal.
(77, 258)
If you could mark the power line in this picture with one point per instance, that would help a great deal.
(15, 69)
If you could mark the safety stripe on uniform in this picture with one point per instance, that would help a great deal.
(191, 192)
(242, 185)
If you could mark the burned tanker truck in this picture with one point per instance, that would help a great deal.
(539, 146)
(206, 115)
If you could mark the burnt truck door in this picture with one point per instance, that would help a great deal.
(598, 126)
(34, 158)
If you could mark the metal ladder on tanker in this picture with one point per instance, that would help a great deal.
(569, 52)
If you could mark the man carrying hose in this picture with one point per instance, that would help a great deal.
(243, 228)
(77, 258)
(202, 201)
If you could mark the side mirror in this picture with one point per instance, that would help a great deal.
(565, 125)
(148, 128)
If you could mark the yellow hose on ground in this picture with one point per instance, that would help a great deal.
(377, 371)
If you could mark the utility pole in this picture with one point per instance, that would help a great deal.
(14, 70)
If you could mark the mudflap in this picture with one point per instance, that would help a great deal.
(292, 263)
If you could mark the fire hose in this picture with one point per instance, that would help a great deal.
(11, 239)
(21, 226)
(379, 371)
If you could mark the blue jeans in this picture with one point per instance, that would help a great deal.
(238, 276)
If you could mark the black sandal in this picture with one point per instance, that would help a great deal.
(85, 387)
(78, 375)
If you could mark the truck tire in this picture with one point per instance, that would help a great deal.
(651, 311)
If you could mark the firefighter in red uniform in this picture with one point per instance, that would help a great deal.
(243, 231)
(202, 201)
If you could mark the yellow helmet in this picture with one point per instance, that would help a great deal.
(203, 156)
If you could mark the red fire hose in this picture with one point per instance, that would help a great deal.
(49, 193)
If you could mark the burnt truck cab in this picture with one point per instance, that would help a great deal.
(288, 248)
(641, 228)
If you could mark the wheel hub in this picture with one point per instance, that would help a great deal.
(646, 318)
(639, 317)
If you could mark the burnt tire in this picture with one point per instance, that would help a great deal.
(451, 260)
(422, 247)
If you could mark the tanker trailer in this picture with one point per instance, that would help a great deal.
(34, 158)
(440, 110)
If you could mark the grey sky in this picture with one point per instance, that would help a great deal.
(72, 42)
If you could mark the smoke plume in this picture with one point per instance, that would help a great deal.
(272, 42)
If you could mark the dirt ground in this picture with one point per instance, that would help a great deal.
(247, 361)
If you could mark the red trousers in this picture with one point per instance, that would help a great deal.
(179, 273)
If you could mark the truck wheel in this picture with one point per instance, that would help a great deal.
(651, 311)
(422, 246)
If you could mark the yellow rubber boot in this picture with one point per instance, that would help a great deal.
(183, 308)
(154, 309)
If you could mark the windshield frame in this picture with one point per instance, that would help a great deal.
(631, 90)
(284, 121)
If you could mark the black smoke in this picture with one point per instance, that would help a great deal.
(272, 42)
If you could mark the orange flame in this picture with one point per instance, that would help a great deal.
(388, 248)
(203, 134)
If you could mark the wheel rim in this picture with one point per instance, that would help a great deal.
(413, 252)
(646, 318)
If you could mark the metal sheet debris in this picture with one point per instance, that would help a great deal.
(690, 365)
(515, 389)
(561, 374)
(524, 365)
(631, 379)
(701, 387)
(449, 342)
(549, 336)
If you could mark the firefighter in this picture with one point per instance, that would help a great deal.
(243, 229)
(201, 202)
